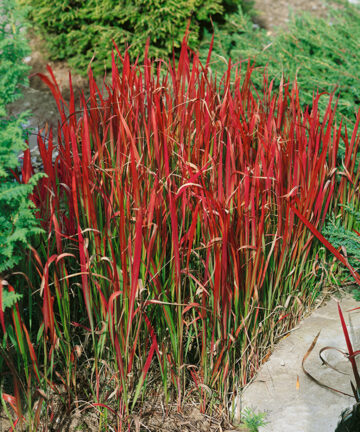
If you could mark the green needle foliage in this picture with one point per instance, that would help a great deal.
(78, 30)
(322, 53)
(17, 219)
(343, 232)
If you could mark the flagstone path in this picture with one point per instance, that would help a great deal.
(294, 402)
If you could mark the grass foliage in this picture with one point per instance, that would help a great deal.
(172, 250)
(181, 210)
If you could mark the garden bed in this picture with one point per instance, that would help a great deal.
(173, 253)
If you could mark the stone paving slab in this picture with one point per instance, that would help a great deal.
(295, 403)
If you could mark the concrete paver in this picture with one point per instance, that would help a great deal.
(294, 402)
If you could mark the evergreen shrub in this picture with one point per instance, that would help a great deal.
(76, 30)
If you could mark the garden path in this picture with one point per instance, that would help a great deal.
(294, 402)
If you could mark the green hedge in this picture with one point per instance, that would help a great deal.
(75, 30)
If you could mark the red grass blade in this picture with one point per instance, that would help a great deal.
(350, 349)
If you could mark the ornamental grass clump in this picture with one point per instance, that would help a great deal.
(172, 257)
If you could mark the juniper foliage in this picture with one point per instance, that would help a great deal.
(322, 53)
(344, 232)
